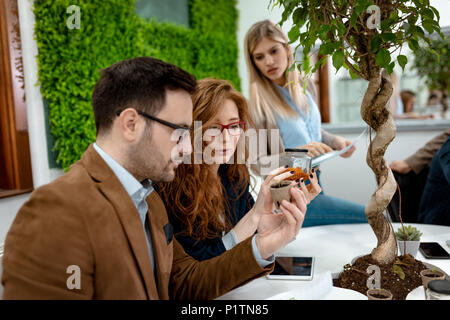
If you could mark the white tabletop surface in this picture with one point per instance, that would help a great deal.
(333, 246)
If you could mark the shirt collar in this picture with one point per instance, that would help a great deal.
(133, 187)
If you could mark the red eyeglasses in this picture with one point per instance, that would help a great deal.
(234, 129)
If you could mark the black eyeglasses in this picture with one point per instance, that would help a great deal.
(184, 131)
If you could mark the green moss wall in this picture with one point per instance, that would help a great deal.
(69, 60)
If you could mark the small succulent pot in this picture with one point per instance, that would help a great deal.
(428, 275)
(379, 294)
(408, 240)
(280, 191)
(412, 247)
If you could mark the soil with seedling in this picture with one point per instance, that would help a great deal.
(399, 277)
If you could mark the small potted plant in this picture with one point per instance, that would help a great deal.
(280, 191)
(408, 239)
(379, 294)
(428, 275)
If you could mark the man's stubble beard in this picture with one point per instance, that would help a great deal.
(145, 161)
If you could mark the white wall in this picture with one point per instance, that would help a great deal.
(443, 6)
(8, 209)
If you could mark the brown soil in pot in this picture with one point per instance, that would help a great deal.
(355, 277)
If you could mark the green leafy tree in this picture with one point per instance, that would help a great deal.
(361, 36)
(435, 67)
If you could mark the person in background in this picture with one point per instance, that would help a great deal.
(412, 175)
(209, 204)
(279, 105)
(422, 157)
(435, 202)
(434, 98)
(408, 100)
(437, 103)
(395, 103)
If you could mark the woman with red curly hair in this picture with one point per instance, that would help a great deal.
(209, 203)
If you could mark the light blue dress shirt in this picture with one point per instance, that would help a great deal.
(139, 192)
(301, 130)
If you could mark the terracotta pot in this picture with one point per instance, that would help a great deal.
(280, 191)
(379, 294)
(430, 275)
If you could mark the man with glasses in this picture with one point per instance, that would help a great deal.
(100, 232)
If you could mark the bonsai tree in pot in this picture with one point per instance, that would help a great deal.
(435, 68)
(361, 36)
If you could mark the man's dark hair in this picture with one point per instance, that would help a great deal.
(139, 83)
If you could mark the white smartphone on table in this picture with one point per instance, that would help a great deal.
(292, 268)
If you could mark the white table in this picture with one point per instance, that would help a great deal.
(333, 246)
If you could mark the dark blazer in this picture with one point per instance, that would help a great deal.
(422, 157)
(86, 218)
(435, 203)
(237, 208)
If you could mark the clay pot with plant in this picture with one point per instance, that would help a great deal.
(429, 275)
(362, 36)
(281, 191)
(379, 294)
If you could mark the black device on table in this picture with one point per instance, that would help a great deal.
(433, 250)
(293, 268)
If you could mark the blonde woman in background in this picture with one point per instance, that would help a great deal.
(277, 101)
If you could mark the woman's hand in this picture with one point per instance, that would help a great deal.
(277, 230)
(313, 189)
(264, 201)
(263, 204)
(340, 143)
(315, 148)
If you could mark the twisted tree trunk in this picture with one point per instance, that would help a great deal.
(376, 115)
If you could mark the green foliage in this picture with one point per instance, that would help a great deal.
(434, 64)
(69, 60)
(347, 33)
(408, 233)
